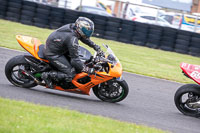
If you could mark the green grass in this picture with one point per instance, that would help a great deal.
(135, 59)
(21, 117)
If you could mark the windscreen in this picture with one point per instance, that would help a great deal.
(110, 55)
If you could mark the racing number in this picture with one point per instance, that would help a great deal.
(195, 74)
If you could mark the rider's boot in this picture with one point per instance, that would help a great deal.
(64, 77)
(48, 76)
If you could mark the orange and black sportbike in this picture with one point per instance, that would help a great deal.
(107, 82)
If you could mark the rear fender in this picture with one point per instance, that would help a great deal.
(192, 71)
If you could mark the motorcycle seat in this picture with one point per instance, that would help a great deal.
(40, 52)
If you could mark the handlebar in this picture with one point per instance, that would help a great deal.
(98, 59)
(100, 53)
(102, 59)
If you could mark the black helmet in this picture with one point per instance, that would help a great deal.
(85, 27)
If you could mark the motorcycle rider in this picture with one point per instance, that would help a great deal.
(64, 42)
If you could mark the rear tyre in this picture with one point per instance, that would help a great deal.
(187, 99)
(111, 91)
(14, 72)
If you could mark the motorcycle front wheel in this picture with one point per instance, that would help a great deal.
(111, 91)
(187, 100)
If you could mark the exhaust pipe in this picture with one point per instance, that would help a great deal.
(31, 76)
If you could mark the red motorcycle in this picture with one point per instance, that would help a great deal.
(187, 97)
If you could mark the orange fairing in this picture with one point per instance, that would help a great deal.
(100, 77)
(30, 44)
(85, 88)
(116, 71)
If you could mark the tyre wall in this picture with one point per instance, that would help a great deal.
(110, 28)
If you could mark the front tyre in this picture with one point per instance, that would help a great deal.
(112, 91)
(14, 72)
(187, 100)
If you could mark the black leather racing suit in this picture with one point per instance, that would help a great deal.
(61, 43)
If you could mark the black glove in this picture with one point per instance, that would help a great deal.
(100, 53)
(88, 70)
(98, 49)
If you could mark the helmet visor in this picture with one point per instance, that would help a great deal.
(88, 33)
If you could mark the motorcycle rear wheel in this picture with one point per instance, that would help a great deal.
(112, 91)
(14, 72)
(185, 97)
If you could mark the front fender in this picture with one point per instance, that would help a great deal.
(120, 78)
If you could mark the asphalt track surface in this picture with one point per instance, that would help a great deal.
(150, 101)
